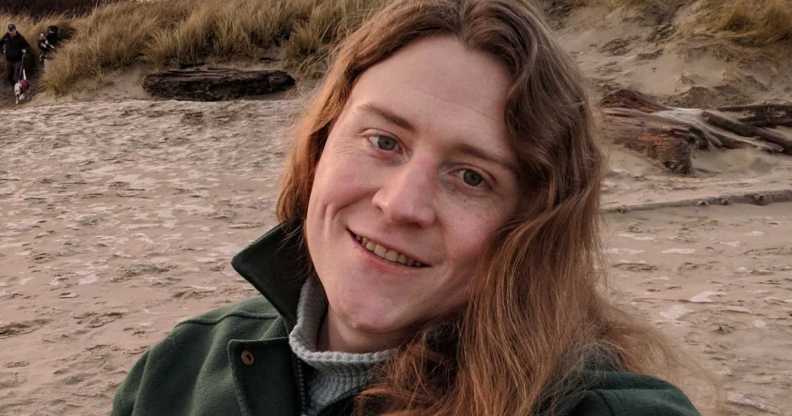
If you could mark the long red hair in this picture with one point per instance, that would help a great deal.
(536, 317)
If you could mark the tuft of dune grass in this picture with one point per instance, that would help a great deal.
(757, 22)
(753, 22)
(324, 25)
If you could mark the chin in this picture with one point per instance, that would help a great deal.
(373, 318)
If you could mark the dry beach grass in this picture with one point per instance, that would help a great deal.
(162, 33)
(185, 32)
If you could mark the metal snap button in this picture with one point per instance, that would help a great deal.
(247, 358)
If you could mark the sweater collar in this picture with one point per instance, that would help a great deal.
(276, 264)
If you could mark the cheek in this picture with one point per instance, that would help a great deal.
(341, 179)
(468, 237)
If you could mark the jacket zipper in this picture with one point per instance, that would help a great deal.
(300, 382)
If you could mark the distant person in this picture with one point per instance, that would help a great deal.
(53, 35)
(45, 47)
(14, 47)
(47, 42)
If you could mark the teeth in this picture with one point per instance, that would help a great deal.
(390, 255)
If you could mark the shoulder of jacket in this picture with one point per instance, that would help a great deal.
(252, 319)
(254, 309)
(615, 393)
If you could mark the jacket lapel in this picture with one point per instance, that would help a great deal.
(264, 370)
(277, 264)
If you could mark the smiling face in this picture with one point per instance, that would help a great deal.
(415, 178)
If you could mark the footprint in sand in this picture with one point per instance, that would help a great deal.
(635, 266)
(11, 379)
(97, 320)
(20, 328)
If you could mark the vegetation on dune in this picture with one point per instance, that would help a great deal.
(188, 32)
(39, 8)
(121, 33)
(757, 22)
(754, 22)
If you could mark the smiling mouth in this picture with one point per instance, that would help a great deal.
(387, 254)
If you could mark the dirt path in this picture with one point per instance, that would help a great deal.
(118, 219)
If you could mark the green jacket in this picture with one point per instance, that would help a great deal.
(237, 360)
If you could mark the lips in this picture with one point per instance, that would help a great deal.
(387, 253)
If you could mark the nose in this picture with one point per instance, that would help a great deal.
(407, 195)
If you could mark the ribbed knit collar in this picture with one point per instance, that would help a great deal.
(336, 373)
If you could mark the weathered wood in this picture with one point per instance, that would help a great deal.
(767, 121)
(692, 119)
(728, 123)
(758, 108)
(671, 134)
(723, 121)
(763, 115)
(214, 84)
(666, 141)
(625, 98)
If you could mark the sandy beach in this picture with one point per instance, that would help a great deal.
(119, 220)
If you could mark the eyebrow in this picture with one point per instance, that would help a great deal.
(464, 148)
(490, 157)
(389, 116)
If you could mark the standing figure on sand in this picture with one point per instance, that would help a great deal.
(14, 47)
(438, 251)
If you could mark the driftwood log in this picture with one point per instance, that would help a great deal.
(215, 84)
(672, 134)
(764, 115)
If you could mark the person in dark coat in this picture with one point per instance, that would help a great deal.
(48, 40)
(14, 47)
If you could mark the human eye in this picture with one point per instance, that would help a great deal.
(383, 142)
(472, 178)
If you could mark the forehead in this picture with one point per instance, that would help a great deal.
(440, 85)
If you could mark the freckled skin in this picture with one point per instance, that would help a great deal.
(412, 188)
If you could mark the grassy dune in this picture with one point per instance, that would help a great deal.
(755, 22)
(182, 32)
(47, 7)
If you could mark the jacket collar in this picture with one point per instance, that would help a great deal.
(277, 264)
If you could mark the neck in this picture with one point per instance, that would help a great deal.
(335, 336)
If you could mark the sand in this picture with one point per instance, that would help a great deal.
(119, 220)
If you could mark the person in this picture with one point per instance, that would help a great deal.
(44, 46)
(14, 47)
(53, 35)
(47, 42)
(438, 247)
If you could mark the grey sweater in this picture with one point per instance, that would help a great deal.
(335, 373)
